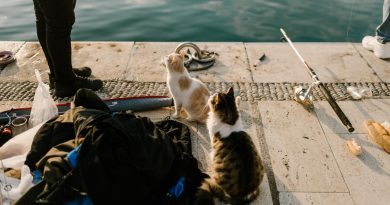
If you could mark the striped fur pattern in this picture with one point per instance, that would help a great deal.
(236, 170)
(187, 92)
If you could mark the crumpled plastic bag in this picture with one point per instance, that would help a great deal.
(25, 184)
(359, 93)
(16, 188)
(7, 184)
(43, 107)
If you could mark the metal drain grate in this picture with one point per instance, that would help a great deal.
(24, 91)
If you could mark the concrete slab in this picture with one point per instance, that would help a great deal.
(28, 58)
(108, 60)
(278, 65)
(333, 62)
(231, 64)
(300, 155)
(246, 113)
(293, 198)
(146, 61)
(6, 105)
(201, 146)
(367, 176)
(380, 66)
(337, 62)
(12, 46)
(356, 111)
(306, 151)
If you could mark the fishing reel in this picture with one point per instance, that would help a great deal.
(304, 96)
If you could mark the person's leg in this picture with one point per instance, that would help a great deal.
(380, 43)
(59, 17)
(41, 33)
(383, 30)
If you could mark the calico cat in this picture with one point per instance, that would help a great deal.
(236, 167)
(187, 92)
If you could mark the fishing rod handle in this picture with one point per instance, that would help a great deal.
(336, 108)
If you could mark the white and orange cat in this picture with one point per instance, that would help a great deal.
(187, 92)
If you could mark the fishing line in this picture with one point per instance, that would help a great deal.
(349, 22)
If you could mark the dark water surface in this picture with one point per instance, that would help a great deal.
(202, 20)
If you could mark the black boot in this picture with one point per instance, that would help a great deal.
(82, 72)
(66, 89)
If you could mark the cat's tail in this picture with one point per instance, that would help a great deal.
(252, 196)
(245, 200)
(203, 114)
(203, 195)
(207, 191)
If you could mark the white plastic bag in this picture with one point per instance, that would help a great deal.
(359, 93)
(26, 182)
(43, 107)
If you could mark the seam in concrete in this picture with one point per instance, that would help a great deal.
(127, 71)
(338, 166)
(20, 47)
(368, 64)
(266, 158)
(247, 62)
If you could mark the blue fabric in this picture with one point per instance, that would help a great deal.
(37, 176)
(178, 189)
(82, 200)
(113, 114)
(72, 156)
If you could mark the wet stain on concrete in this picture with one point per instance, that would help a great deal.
(77, 47)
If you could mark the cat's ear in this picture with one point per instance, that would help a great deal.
(238, 102)
(173, 59)
(218, 99)
(169, 59)
(230, 92)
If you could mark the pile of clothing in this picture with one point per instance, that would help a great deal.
(89, 155)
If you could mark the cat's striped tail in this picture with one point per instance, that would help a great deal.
(207, 191)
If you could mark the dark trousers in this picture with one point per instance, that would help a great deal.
(383, 30)
(54, 21)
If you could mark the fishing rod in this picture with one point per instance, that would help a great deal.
(304, 96)
(136, 104)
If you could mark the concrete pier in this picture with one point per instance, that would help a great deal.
(305, 153)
